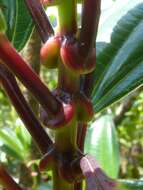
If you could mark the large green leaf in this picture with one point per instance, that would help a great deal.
(19, 22)
(102, 142)
(111, 13)
(121, 61)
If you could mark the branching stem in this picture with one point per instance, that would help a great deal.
(29, 78)
(39, 135)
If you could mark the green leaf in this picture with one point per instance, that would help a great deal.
(131, 184)
(100, 46)
(23, 136)
(3, 25)
(11, 152)
(111, 13)
(121, 61)
(102, 142)
(9, 139)
(19, 22)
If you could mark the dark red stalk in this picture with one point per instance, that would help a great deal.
(90, 20)
(85, 87)
(7, 181)
(36, 130)
(29, 78)
(86, 84)
(82, 128)
(81, 134)
(40, 19)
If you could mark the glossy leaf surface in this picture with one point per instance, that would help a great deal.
(19, 22)
(102, 143)
(120, 64)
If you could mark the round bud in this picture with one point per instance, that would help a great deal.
(50, 51)
(74, 61)
(68, 112)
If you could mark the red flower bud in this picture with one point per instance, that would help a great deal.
(68, 111)
(74, 61)
(50, 52)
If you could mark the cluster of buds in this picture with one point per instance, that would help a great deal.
(61, 48)
(77, 54)
(67, 49)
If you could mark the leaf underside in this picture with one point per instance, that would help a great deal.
(95, 177)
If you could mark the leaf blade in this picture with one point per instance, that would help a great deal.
(19, 22)
(102, 142)
(121, 61)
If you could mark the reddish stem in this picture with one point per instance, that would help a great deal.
(81, 134)
(39, 135)
(40, 19)
(90, 20)
(29, 78)
(82, 128)
(7, 181)
(78, 186)
(86, 84)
